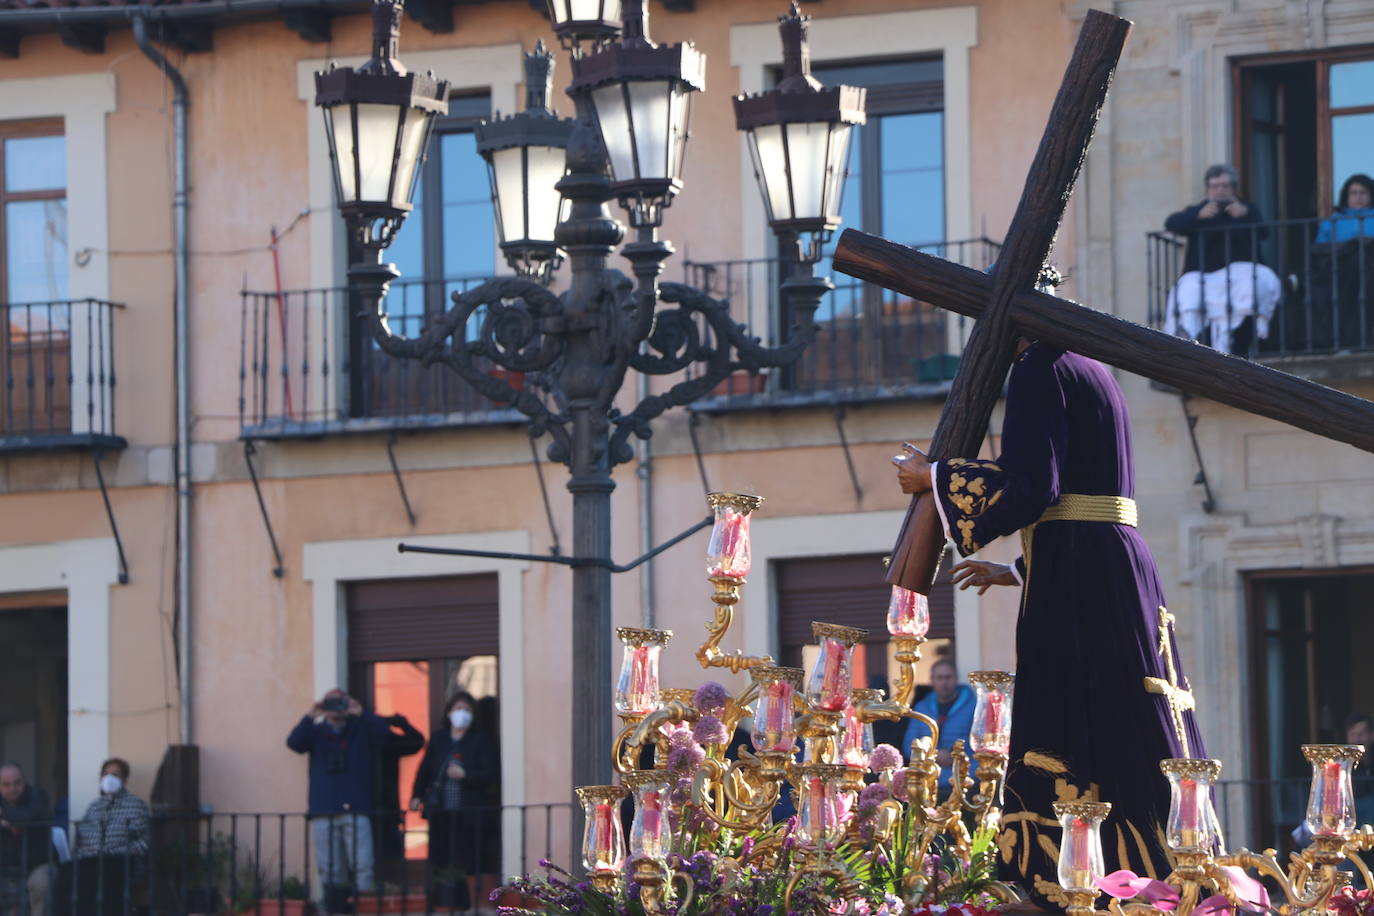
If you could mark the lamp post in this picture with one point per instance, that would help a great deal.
(633, 98)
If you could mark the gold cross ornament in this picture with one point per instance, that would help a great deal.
(1179, 697)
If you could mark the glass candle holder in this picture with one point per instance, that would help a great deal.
(1080, 850)
(650, 836)
(603, 840)
(908, 613)
(727, 553)
(991, 730)
(1331, 803)
(831, 679)
(821, 819)
(1190, 802)
(775, 728)
(856, 736)
(636, 690)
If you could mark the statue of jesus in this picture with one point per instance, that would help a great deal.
(1100, 695)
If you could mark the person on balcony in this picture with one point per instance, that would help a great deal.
(1342, 261)
(342, 740)
(26, 871)
(110, 850)
(1226, 295)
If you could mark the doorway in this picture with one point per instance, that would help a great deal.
(33, 681)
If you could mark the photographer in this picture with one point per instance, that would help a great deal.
(1226, 295)
(342, 741)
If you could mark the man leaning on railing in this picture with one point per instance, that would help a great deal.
(1226, 295)
(26, 871)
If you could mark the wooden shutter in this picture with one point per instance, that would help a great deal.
(391, 620)
(847, 590)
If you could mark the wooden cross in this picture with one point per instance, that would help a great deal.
(1178, 696)
(1007, 305)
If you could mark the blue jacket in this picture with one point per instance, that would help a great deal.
(1348, 224)
(957, 725)
(340, 762)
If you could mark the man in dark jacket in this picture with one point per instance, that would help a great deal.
(1225, 289)
(343, 742)
(26, 870)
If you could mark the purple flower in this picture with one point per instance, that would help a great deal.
(885, 757)
(899, 785)
(710, 730)
(684, 760)
(710, 697)
(681, 737)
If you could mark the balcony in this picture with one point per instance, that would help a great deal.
(59, 376)
(308, 366)
(1313, 304)
(871, 344)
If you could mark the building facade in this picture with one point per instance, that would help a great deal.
(312, 454)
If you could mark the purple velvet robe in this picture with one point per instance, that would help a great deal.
(1089, 633)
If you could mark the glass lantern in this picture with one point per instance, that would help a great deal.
(856, 736)
(908, 613)
(727, 553)
(1331, 803)
(822, 816)
(832, 678)
(1080, 851)
(775, 729)
(992, 713)
(636, 690)
(1191, 824)
(603, 840)
(650, 836)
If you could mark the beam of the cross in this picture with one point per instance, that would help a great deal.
(1174, 361)
(990, 348)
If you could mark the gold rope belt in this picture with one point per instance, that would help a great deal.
(1080, 507)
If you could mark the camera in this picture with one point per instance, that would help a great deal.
(335, 704)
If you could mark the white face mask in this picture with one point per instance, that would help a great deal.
(460, 717)
(110, 784)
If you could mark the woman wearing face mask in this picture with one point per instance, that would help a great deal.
(451, 786)
(111, 845)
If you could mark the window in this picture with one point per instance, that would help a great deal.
(33, 231)
(1305, 124)
(448, 243)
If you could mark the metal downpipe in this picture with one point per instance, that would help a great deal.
(181, 259)
(645, 472)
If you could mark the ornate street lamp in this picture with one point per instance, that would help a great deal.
(641, 97)
(798, 135)
(525, 156)
(578, 21)
(378, 119)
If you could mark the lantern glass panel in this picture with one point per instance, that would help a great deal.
(836, 161)
(547, 165)
(651, 111)
(614, 121)
(770, 162)
(376, 149)
(412, 149)
(508, 184)
(339, 123)
(807, 144)
(594, 9)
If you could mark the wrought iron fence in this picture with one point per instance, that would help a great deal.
(1279, 288)
(278, 864)
(58, 366)
(308, 364)
(870, 342)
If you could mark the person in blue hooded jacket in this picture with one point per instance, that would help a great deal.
(950, 704)
(1354, 214)
(1341, 271)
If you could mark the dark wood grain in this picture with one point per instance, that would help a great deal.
(1183, 364)
(990, 348)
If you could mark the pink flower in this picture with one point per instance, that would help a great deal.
(885, 757)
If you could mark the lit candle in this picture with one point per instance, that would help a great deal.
(604, 846)
(834, 680)
(779, 707)
(1331, 793)
(732, 549)
(653, 817)
(1188, 814)
(644, 684)
(1082, 855)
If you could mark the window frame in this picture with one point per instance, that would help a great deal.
(12, 130)
(1323, 59)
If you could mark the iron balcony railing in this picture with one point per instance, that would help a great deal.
(308, 365)
(58, 366)
(279, 864)
(1287, 287)
(871, 343)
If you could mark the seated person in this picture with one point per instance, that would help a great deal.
(26, 871)
(108, 855)
(1226, 296)
(950, 704)
(1342, 270)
